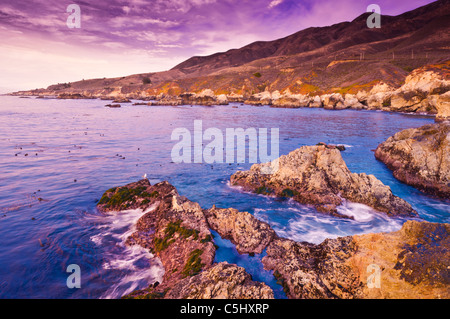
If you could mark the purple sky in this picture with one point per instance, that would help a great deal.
(119, 38)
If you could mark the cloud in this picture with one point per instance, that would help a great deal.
(274, 3)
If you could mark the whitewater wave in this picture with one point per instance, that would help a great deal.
(131, 267)
(303, 223)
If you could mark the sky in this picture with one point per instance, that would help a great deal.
(123, 37)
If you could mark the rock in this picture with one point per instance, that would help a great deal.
(309, 271)
(333, 101)
(245, 231)
(121, 100)
(263, 98)
(74, 96)
(406, 101)
(443, 107)
(420, 92)
(222, 99)
(315, 102)
(351, 101)
(362, 96)
(380, 96)
(113, 105)
(222, 281)
(420, 157)
(318, 175)
(426, 81)
(412, 263)
(235, 98)
(205, 97)
(289, 100)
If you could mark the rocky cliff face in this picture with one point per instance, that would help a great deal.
(420, 157)
(318, 175)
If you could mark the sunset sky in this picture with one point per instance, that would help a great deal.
(120, 38)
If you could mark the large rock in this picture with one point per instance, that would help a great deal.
(351, 101)
(420, 157)
(245, 231)
(318, 175)
(289, 100)
(315, 102)
(222, 281)
(420, 92)
(333, 101)
(262, 98)
(443, 107)
(409, 263)
(174, 228)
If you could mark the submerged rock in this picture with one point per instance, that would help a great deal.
(318, 175)
(420, 157)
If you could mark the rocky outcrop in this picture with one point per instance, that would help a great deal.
(442, 104)
(420, 157)
(318, 175)
(222, 281)
(263, 98)
(176, 230)
(74, 96)
(245, 231)
(380, 96)
(205, 97)
(409, 263)
(121, 99)
(333, 101)
(420, 91)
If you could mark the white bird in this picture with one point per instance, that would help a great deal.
(145, 175)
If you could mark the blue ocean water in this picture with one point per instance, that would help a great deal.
(58, 157)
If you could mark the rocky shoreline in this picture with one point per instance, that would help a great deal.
(424, 91)
(413, 261)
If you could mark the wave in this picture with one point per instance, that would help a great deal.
(303, 223)
(130, 267)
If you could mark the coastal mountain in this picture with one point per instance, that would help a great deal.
(401, 34)
(345, 57)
